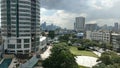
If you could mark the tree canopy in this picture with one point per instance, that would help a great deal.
(51, 34)
(60, 58)
(64, 38)
(109, 59)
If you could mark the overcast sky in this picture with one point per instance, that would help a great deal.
(63, 12)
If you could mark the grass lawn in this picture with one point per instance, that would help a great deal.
(77, 52)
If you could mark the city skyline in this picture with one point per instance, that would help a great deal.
(95, 11)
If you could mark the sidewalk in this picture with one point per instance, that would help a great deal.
(30, 63)
(13, 65)
(46, 54)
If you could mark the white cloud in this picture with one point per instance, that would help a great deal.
(95, 11)
(83, 14)
(43, 10)
(101, 4)
(66, 19)
(60, 18)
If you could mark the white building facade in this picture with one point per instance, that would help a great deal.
(20, 22)
(88, 35)
(102, 36)
(43, 42)
(115, 41)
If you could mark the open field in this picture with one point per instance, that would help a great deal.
(77, 52)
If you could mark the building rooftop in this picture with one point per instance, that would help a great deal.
(42, 38)
(115, 34)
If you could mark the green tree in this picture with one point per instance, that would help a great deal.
(100, 65)
(51, 34)
(109, 59)
(106, 46)
(43, 34)
(109, 46)
(92, 44)
(64, 38)
(60, 58)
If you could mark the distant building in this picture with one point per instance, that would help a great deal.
(50, 27)
(88, 35)
(116, 27)
(91, 27)
(110, 28)
(119, 28)
(79, 24)
(43, 43)
(43, 26)
(102, 36)
(115, 41)
(80, 35)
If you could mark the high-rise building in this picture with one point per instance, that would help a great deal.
(116, 27)
(20, 22)
(79, 24)
(91, 27)
(43, 26)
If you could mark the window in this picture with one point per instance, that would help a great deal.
(12, 51)
(26, 51)
(18, 40)
(11, 46)
(26, 40)
(26, 45)
(8, 41)
(18, 45)
(19, 51)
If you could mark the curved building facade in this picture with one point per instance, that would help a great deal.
(20, 22)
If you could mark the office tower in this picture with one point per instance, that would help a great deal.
(116, 27)
(20, 25)
(91, 27)
(79, 24)
(43, 26)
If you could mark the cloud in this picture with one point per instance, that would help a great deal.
(60, 18)
(99, 11)
(71, 5)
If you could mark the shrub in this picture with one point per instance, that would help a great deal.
(81, 48)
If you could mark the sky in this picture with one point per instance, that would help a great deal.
(63, 12)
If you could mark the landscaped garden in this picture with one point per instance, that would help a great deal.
(74, 50)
